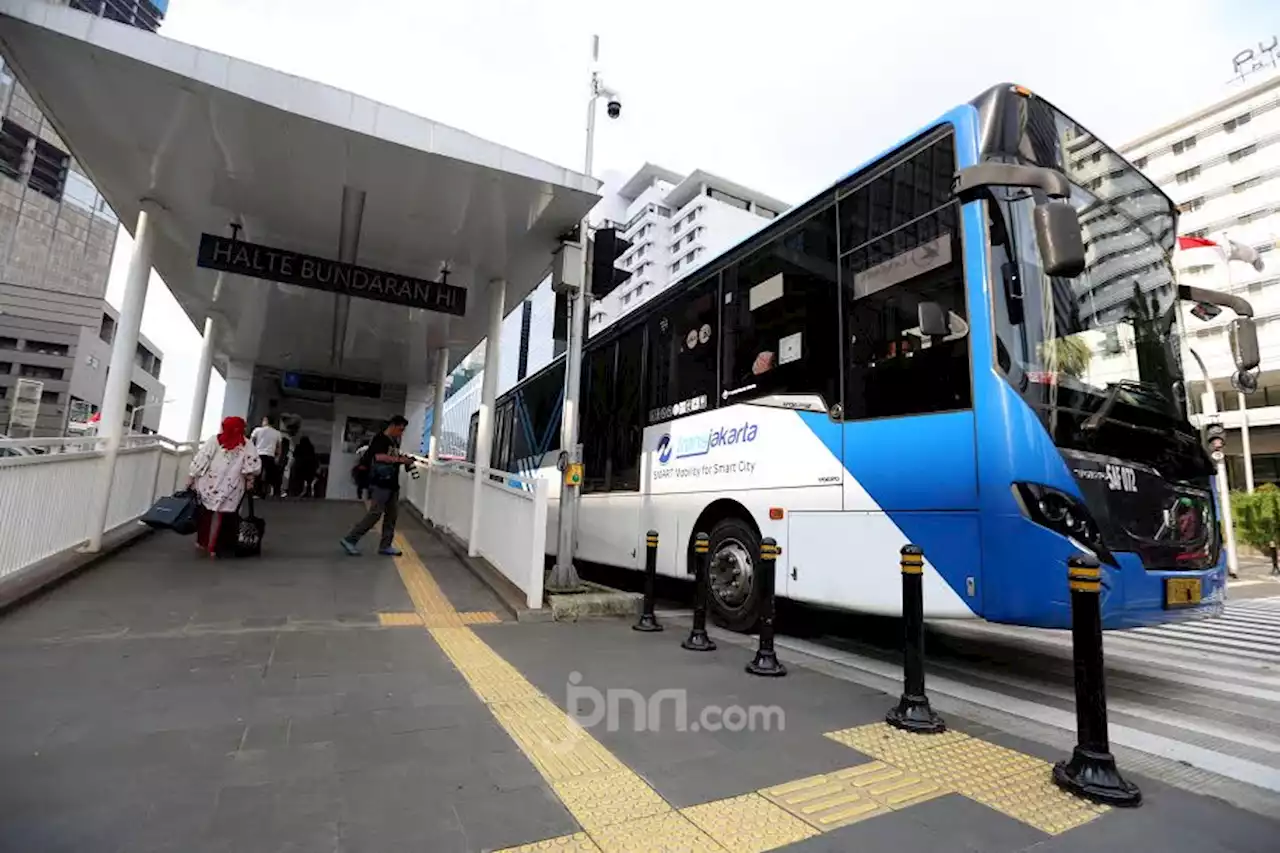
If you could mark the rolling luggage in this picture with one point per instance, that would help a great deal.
(177, 512)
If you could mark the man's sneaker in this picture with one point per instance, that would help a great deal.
(349, 547)
(393, 551)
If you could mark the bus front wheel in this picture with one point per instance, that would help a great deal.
(734, 599)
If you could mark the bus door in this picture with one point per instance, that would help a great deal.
(908, 442)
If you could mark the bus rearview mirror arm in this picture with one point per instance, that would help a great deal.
(971, 180)
(1056, 223)
(1243, 331)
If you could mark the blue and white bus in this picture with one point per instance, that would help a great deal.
(971, 343)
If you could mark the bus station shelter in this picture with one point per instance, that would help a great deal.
(335, 252)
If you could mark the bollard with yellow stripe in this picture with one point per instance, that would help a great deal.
(766, 661)
(649, 622)
(1091, 771)
(1084, 577)
(698, 639)
(913, 713)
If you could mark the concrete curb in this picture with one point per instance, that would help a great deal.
(601, 602)
(17, 588)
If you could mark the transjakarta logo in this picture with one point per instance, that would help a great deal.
(701, 444)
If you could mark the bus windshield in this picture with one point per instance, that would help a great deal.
(1104, 345)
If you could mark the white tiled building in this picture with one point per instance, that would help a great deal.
(675, 223)
(1221, 164)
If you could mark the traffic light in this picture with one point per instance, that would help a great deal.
(603, 275)
(606, 248)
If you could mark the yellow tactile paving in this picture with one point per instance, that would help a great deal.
(414, 620)
(748, 824)
(1006, 780)
(479, 617)
(622, 812)
(671, 832)
(598, 801)
(842, 797)
(399, 620)
(579, 842)
(1032, 798)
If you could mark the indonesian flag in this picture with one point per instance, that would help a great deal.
(1231, 251)
(97, 416)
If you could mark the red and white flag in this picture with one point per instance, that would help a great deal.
(1232, 250)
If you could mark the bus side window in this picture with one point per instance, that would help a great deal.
(681, 366)
(781, 316)
(900, 244)
(890, 369)
(598, 371)
(626, 425)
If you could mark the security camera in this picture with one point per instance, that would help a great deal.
(614, 103)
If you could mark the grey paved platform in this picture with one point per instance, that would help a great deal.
(689, 767)
(166, 702)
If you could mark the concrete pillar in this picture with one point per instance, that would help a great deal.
(196, 425)
(441, 372)
(239, 391)
(488, 391)
(437, 417)
(123, 350)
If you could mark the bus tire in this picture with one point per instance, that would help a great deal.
(735, 552)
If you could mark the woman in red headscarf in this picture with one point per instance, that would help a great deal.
(221, 472)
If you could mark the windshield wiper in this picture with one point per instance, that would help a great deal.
(1094, 421)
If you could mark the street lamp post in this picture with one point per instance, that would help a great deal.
(133, 413)
(1224, 495)
(564, 576)
(1229, 251)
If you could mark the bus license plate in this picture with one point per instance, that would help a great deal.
(1181, 592)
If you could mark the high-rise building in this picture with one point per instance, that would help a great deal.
(675, 223)
(57, 235)
(1221, 165)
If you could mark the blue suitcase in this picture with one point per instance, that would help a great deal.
(177, 512)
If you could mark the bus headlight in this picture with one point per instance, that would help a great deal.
(1063, 514)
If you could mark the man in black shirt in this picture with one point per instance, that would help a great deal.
(383, 461)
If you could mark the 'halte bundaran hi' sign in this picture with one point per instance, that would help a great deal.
(272, 264)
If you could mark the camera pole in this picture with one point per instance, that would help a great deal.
(564, 577)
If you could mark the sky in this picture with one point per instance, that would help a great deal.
(785, 98)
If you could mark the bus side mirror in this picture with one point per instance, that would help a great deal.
(933, 320)
(1243, 336)
(1058, 233)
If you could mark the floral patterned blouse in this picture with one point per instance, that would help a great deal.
(220, 473)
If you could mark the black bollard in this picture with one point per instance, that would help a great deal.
(766, 660)
(649, 622)
(698, 641)
(912, 712)
(1092, 771)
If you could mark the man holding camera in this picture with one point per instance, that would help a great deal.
(383, 461)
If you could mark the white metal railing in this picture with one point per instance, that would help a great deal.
(48, 488)
(513, 518)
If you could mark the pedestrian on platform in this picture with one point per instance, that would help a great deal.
(302, 474)
(266, 438)
(221, 472)
(383, 461)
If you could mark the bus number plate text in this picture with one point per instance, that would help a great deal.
(1121, 478)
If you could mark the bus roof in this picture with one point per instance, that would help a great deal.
(986, 102)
